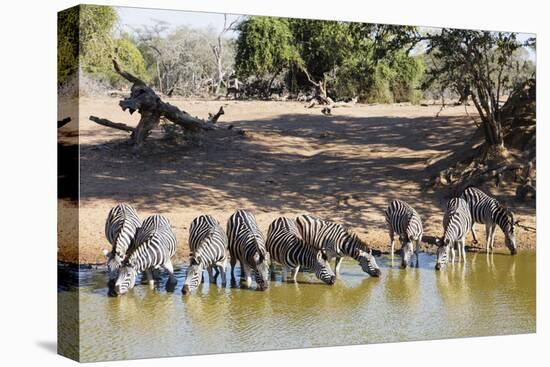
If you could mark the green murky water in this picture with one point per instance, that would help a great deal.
(488, 296)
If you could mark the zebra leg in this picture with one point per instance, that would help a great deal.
(272, 271)
(488, 236)
(417, 250)
(149, 276)
(211, 277)
(284, 273)
(392, 244)
(221, 270)
(172, 281)
(232, 263)
(463, 245)
(474, 235)
(295, 273)
(337, 264)
(493, 232)
(453, 253)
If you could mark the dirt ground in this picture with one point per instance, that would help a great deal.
(346, 167)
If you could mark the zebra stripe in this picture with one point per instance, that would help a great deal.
(489, 211)
(247, 245)
(208, 245)
(402, 219)
(155, 244)
(457, 222)
(337, 241)
(120, 229)
(286, 246)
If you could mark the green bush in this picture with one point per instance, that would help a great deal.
(85, 40)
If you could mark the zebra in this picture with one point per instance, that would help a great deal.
(286, 246)
(338, 241)
(402, 219)
(457, 222)
(155, 244)
(489, 211)
(120, 229)
(208, 245)
(247, 245)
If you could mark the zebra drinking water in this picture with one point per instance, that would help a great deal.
(208, 245)
(286, 246)
(337, 241)
(120, 229)
(155, 244)
(247, 245)
(457, 222)
(402, 219)
(489, 211)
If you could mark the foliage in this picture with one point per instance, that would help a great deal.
(483, 62)
(96, 43)
(85, 40)
(264, 46)
(67, 43)
(342, 58)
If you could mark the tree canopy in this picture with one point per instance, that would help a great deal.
(482, 62)
(338, 58)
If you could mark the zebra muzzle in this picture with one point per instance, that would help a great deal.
(185, 289)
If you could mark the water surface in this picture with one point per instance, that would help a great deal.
(487, 296)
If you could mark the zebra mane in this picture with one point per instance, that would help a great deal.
(262, 251)
(508, 213)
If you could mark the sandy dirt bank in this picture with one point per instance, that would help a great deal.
(345, 167)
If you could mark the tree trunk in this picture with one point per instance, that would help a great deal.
(151, 108)
(492, 129)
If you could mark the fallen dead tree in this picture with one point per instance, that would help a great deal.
(151, 108)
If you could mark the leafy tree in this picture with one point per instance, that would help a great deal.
(85, 40)
(96, 43)
(128, 55)
(322, 46)
(482, 61)
(335, 57)
(67, 43)
(265, 47)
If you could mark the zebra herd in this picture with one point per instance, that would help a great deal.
(307, 242)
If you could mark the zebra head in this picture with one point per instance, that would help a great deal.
(322, 268)
(114, 261)
(368, 263)
(406, 254)
(194, 275)
(443, 247)
(508, 229)
(261, 270)
(126, 279)
(406, 251)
